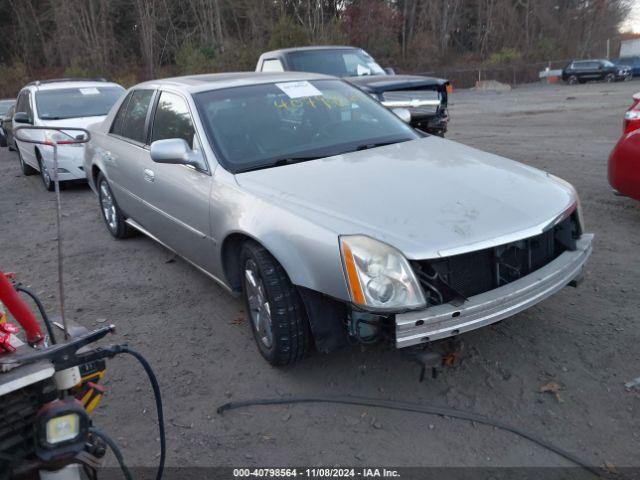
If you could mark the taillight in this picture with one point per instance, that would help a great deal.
(632, 116)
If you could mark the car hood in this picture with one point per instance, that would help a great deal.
(80, 122)
(385, 83)
(429, 197)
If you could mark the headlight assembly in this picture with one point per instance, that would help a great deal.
(378, 275)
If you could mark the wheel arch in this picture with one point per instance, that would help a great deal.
(95, 171)
(326, 315)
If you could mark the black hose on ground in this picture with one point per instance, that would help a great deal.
(158, 398)
(43, 312)
(114, 448)
(409, 407)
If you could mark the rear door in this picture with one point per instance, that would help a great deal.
(127, 154)
(179, 195)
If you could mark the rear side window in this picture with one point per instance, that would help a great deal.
(173, 119)
(135, 119)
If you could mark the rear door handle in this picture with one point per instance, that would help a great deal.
(149, 176)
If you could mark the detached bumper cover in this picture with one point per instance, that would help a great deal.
(442, 321)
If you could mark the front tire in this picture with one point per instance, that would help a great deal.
(572, 80)
(26, 169)
(610, 78)
(47, 181)
(111, 214)
(276, 313)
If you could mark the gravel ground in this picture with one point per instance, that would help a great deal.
(585, 340)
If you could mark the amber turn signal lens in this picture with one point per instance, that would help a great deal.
(352, 275)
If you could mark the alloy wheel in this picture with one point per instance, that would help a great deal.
(46, 178)
(108, 206)
(259, 307)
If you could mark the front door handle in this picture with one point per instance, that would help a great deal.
(149, 176)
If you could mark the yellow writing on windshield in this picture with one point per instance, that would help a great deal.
(329, 102)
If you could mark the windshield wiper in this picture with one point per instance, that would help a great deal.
(280, 162)
(367, 146)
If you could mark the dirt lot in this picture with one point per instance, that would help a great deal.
(193, 333)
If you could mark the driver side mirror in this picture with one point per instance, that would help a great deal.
(389, 71)
(175, 151)
(22, 117)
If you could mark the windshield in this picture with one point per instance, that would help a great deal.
(76, 102)
(338, 63)
(607, 63)
(261, 126)
(5, 105)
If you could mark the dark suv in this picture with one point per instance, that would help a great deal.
(424, 97)
(581, 71)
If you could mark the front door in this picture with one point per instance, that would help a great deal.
(179, 195)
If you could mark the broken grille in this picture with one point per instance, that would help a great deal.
(454, 279)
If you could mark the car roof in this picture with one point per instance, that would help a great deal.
(310, 48)
(62, 84)
(216, 81)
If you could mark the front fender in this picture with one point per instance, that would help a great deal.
(309, 253)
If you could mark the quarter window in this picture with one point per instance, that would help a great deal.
(173, 119)
(118, 121)
(135, 120)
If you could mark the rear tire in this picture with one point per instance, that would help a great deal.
(111, 214)
(275, 310)
(26, 169)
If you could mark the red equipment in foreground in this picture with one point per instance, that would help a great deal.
(20, 311)
(624, 161)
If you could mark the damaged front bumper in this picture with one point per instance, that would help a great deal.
(442, 321)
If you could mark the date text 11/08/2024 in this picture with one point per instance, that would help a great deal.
(315, 473)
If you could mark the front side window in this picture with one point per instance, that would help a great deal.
(24, 104)
(343, 62)
(173, 119)
(62, 103)
(267, 125)
(21, 102)
(135, 119)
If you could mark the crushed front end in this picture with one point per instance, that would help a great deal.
(471, 290)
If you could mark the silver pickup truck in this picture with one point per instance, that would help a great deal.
(335, 220)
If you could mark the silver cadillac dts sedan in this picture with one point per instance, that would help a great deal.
(335, 220)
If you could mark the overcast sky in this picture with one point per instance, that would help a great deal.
(633, 22)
